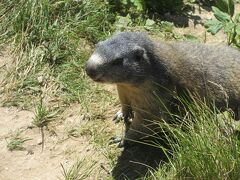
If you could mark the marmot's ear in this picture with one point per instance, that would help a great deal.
(139, 51)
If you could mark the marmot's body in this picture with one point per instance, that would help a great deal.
(140, 67)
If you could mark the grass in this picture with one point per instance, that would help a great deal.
(43, 116)
(86, 168)
(99, 133)
(51, 40)
(203, 146)
(80, 170)
(50, 37)
(16, 143)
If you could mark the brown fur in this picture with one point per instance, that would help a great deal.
(141, 67)
(143, 101)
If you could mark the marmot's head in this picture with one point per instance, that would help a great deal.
(122, 58)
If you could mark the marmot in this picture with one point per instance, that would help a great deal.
(139, 66)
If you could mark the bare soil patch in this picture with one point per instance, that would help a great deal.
(32, 162)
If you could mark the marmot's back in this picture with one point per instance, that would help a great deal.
(202, 67)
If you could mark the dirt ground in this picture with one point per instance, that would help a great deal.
(34, 164)
(60, 150)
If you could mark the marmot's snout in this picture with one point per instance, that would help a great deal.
(93, 67)
(91, 70)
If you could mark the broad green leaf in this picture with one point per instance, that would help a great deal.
(221, 16)
(122, 22)
(237, 18)
(167, 26)
(237, 38)
(213, 26)
(124, 2)
(149, 22)
(238, 29)
(226, 6)
(140, 4)
(228, 27)
(191, 37)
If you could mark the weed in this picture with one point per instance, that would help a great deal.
(53, 39)
(140, 6)
(16, 143)
(42, 117)
(202, 146)
(47, 34)
(99, 133)
(97, 130)
(111, 154)
(224, 14)
(80, 170)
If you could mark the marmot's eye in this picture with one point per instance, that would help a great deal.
(138, 58)
(117, 62)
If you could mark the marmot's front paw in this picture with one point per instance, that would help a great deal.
(118, 117)
(116, 140)
(126, 116)
(120, 141)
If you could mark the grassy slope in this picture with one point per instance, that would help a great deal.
(53, 40)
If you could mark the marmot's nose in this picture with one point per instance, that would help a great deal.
(91, 71)
(93, 66)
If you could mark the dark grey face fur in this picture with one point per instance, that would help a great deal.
(120, 59)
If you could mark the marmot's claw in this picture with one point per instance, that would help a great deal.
(121, 144)
(118, 117)
(120, 141)
(117, 140)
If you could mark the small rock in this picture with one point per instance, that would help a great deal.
(30, 152)
(39, 142)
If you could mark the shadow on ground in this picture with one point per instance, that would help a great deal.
(135, 161)
(188, 13)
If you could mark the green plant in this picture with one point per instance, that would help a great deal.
(203, 144)
(159, 6)
(80, 170)
(47, 34)
(42, 117)
(16, 143)
(139, 4)
(225, 19)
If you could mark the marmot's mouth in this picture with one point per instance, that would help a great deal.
(98, 78)
(103, 79)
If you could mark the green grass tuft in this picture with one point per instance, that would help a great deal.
(16, 142)
(203, 146)
(81, 169)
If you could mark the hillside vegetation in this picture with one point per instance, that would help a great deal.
(48, 43)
